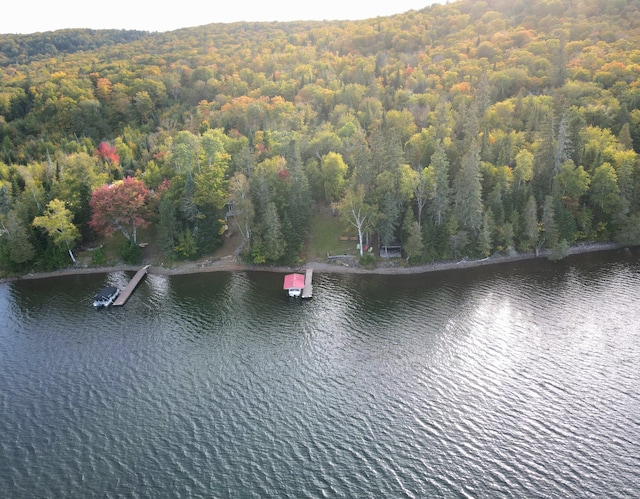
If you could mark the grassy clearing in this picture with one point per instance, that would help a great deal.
(112, 247)
(325, 239)
(326, 230)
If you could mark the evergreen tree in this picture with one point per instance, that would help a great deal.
(273, 242)
(439, 196)
(629, 232)
(624, 137)
(508, 233)
(468, 191)
(545, 159)
(559, 73)
(299, 212)
(549, 227)
(564, 147)
(188, 208)
(386, 149)
(388, 219)
(167, 225)
(485, 239)
(530, 230)
(467, 125)
(5, 198)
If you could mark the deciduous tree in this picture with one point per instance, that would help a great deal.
(334, 170)
(604, 190)
(422, 181)
(15, 244)
(355, 211)
(243, 211)
(57, 222)
(412, 242)
(120, 206)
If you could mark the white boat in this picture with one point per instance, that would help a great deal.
(105, 296)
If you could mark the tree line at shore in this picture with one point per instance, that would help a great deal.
(459, 130)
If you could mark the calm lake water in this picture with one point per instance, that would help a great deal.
(519, 380)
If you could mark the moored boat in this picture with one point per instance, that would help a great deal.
(105, 296)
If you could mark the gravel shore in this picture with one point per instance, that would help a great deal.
(229, 264)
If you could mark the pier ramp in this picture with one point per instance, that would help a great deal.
(307, 292)
(130, 288)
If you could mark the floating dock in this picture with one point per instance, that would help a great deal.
(307, 292)
(130, 288)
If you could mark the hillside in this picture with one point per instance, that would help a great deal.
(463, 129)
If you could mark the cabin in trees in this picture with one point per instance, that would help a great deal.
(391, 250)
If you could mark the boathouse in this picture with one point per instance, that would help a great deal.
(294, 284)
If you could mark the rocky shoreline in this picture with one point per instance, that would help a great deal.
(229, 264)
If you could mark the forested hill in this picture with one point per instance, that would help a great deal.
(459, 129)
(23, 49)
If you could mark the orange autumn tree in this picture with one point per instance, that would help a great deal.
(120, 206)
(108, 153)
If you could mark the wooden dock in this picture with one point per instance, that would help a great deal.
(130, 288)
(307, 292)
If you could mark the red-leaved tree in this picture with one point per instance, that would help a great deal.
(120, 206)
(108, 153)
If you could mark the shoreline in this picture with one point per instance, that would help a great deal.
(228, 264)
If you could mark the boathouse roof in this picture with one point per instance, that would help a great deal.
(293, 281)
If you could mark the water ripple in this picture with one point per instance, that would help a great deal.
(519, 382)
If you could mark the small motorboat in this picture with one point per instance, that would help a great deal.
(105, 296)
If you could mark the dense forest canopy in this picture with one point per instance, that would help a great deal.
(459, 129)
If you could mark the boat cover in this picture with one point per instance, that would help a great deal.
(105, 293)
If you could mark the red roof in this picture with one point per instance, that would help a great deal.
(293, 281)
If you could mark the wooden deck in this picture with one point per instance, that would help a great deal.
(307, 292)
(130, 288)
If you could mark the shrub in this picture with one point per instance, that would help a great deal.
(368, 260)
(98, 257)
(131, 253)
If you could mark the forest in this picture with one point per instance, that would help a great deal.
(459, 130)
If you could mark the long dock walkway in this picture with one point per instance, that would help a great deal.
(130, 288)
(307, 292)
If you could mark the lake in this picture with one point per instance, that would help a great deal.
(517, 380)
